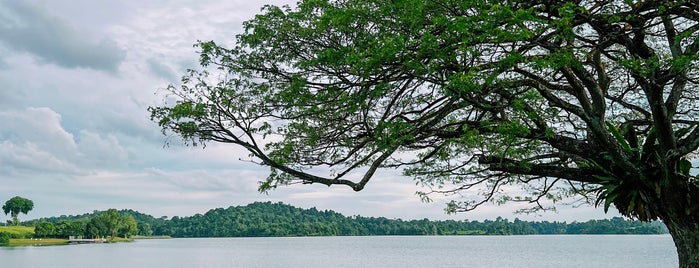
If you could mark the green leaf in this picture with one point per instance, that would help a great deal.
(684, 167)
(619, 138)
(632, 203)
(608, 201)
(649, 144)
(630, 135)
(683, 131)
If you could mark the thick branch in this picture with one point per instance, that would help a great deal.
(546, 170)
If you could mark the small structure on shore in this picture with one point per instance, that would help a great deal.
(81, 240)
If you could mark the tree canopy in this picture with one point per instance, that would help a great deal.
(267, 219)
(112, 223)
(594, 99)
(16, 205)
(109, 223)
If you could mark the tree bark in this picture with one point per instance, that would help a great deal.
(685, 234)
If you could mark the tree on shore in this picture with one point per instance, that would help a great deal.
(128, 226)
(591, 99)
(17, 205)
(111, 223)
(45, 229)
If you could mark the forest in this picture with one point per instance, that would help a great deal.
(267, 219)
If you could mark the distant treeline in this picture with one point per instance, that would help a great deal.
(262, 219)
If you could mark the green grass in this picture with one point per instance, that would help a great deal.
(152, 237)
(37, 242)
(119, 239)
(17, 231)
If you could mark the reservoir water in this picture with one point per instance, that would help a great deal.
(368, 251)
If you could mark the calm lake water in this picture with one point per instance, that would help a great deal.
(368, 251)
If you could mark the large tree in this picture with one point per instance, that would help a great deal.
(113, 220)
(596, 99)
(113, 223)
(17, 205)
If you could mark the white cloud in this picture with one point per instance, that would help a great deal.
(102, 152)
(38, 125)
(33, 29)
(27, 157)
(34, 141)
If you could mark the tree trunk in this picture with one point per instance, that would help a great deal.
(685, 234)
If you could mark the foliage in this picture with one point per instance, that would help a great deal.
(112, 223)
(277, 219)
(4, 239)
(128, 227)
(97, 227)
(66, 228)
(61, 229)
(589, 99)
(16, 205)
(96, 224)
(555, 96)
(44, 229)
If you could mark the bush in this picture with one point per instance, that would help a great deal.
(4, 239)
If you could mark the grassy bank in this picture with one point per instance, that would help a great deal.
(17, 231)
(22, 236)
(119, 239)
(152, 237)
(37, 242)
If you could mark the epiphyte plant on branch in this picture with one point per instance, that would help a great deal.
(594, 99)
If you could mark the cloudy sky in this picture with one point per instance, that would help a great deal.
(76, 78)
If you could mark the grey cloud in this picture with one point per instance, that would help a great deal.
(33, 141)
(161, 70)
(4, 52)
(8, 96)
(39, 126)
(31, 29)
(27, 158)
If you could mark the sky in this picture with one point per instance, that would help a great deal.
(76, 79)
